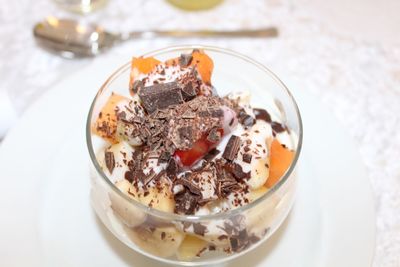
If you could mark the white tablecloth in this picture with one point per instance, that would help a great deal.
(343, 53)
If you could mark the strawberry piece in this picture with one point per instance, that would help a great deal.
(199, 149)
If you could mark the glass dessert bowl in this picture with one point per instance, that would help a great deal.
(194, 152)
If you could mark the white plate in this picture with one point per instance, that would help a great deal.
(44, 195)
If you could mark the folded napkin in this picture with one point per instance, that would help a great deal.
(8, 114)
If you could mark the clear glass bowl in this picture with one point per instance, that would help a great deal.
(158, 234)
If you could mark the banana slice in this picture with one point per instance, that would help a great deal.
(129, 214)
(117, 164)
(253, 155)
(190, 248)
(160, 199)
(159, 241)
(129, 112)
(260, 217)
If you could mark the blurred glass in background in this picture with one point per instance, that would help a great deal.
(195, 4)
(81, 6)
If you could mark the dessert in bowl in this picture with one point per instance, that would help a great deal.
(194, 152)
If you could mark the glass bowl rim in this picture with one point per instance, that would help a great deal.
(195, 218)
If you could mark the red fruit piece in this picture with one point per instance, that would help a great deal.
(199, 149)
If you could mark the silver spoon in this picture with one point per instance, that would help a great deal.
(71, 38)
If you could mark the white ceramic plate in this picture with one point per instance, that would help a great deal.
(44, 194)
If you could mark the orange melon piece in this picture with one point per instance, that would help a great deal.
(204, 64)
(105, 125)
(202, 61)
(280, 160)
(142, 65)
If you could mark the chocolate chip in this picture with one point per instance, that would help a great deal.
(185, 60)
(247, 157)
(110, 161)
(160, 96)
(232, 148)
(214, 135)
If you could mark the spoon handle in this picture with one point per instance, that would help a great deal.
(262, 32)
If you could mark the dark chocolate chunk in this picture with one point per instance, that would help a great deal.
(186, 134)
(232, 148)
(186, 202)
(110, 161)
(262, 114)
(214, 135)
(247, 157)
(277, 127)
(217, 113)
(211, 155)
(185, 60)
(160, 96)
(138, 84)
(129, 176)
(199, 229)
(188, 92)
(237, 171)
(186, 180)
(172, 168)
(164, 157)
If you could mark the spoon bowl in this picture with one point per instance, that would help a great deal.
(70, 38)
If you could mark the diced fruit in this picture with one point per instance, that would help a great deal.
(129, 214)
(121, 154)
(199, 149)
(280, 160)
(142, 65)
(203, 63)
(190, 248)
(159, 199)
(105, 125)
(259, 173)
(159, 241)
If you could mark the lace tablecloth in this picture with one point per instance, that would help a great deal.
(357, 78)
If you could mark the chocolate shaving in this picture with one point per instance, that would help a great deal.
(160, 96)
(185, 60)
(172, 168)
(146, 179)
(277, 127)
(129, 176)
(237, 171)
(199, 229)
(247, 157)
(110, 161)
(188, 92)
(262, 114)
(232, 148)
